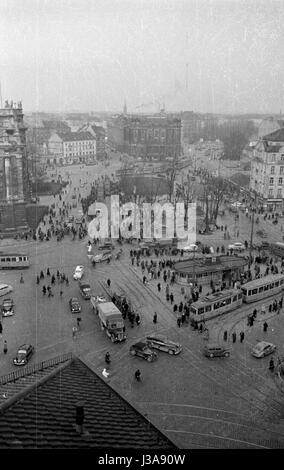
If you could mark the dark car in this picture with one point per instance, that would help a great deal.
(142, 350)
(163, 344)
(75, 306)
(7, 308)
(215, 350)
(106, 246)
(24, 354)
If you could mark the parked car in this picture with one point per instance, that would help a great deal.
(78, 273)
(263, 349)
(191, 247)
(107, 246)
(7, 308)
(163, 344)
(142, 350)
(74, 305)
(23, 355)
(215, 350)
(238, 246)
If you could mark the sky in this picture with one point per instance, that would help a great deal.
(217, 56)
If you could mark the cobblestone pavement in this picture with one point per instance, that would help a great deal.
(197, 402)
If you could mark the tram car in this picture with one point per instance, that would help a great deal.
(215, 304)
(263, 287)
(225, 301)
(14, 261)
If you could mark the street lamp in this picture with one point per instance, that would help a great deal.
(252, 227)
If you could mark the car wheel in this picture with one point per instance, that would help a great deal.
(149, 359)
(211, 355)
(132, 352)
(171, 352)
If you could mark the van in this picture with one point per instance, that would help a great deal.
(215, 350)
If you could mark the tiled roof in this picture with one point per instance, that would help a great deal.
(276, 136)
(271, 148)
(73, 136)
(44, 417)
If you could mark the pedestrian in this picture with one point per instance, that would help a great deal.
(242, 336)
(137, 319)
(155, 318)
(61, 293)
(234, 337)
(47, 272)
(271, 365)
(1, 328)
(78, 322)
(5, 348)
(265, 327)
(178, 321)
(225, 335)
(43, 290)
(108, 283)
(37, 280)
(138, 375)
(159, 287)
(74, 331)
(22, 279)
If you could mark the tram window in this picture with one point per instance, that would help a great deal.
(254, 291)
(260, 289)
(239, 296)
(277, 284)
(216, 305)
(3, 260)
(20, 258)
(235, 298)
(14, 259)
(200, 311)
(271, 285)
(281, 282)
(25, 258)
(8, 259)
(249, 292)
(266, 287)
(208, 308)
(227, 301)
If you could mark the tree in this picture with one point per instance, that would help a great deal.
(214, 190)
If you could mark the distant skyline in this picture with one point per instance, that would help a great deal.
(215, 56)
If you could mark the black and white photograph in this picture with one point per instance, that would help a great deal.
(142, 228)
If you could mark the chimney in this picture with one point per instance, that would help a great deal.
(80, 417)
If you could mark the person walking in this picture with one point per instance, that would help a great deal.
(242, 336)
(178, 322)
(271, 365)
(265, 327)
(137, 319)
(74, 331)
(138, 375)
(155, 318)
(234, 337)
(5, 348)
(22, 279)
(43, 290)
(1, 328)
(225, 335)
(108, 283)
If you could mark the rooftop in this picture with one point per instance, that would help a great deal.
(276, 136)
(75, 136)
(42, 415)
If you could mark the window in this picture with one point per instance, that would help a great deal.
(249, 292)
(254, 291)
(279, 192)
(282, 157)
(281, 282)
(277, 284)
(235, 298)
(266, 288)
(8, 259)
(271, 286)
(260, 289)
(281, 169)
(239, 296)
(280, 181)
(3, 260)
(272, 170)
(270, 193)
(216, 305)
(14, 259)
(208, 308)
(200, 311)
(271, 180)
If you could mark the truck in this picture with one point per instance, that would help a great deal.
(85, 289)
(111, 320)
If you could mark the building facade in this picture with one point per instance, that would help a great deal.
(72, 148)
(100, 135)
(14, 180)
(267, 170)
(155, 137)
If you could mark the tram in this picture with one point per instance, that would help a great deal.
(225, 301)
(215, 304)
(14, 261)
(263, 287)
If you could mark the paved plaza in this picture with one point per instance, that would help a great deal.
(195, 401)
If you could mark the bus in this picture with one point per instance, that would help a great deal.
(13, 261)
(266, 286)
(277, 249)
(215, 304)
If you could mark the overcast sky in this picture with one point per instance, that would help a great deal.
(222, 56)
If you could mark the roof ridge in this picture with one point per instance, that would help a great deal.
(37, 383)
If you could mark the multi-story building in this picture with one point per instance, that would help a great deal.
(72, 147)
(269, 125)
(155, 137)
(267, 169)
(100, 135)
(14, 180)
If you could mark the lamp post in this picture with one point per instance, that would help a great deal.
(252, 227)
